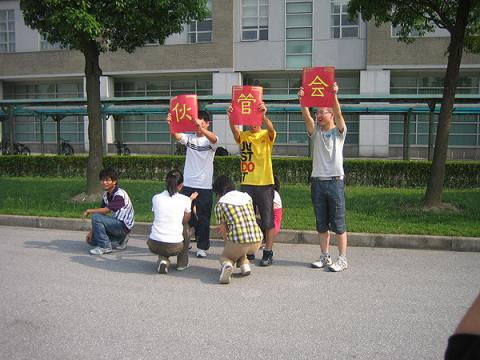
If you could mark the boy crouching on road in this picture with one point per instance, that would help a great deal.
(108, 231)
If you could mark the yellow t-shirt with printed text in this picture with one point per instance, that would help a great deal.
(256, 158)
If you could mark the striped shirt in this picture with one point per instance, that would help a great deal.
(120, 205)
(235, 209)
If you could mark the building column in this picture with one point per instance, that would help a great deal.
(373, 139)
(222, 83)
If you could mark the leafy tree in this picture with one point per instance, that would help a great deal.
(462, 20)
(97, 26)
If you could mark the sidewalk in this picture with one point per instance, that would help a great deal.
(424, 242)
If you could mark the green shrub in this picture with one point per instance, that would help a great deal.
(387, 173)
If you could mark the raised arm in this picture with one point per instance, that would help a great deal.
(233, 128)
(268, 123)
(337, 112)
(176, 135)
(309, 122)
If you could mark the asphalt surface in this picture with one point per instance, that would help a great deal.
(59, 302)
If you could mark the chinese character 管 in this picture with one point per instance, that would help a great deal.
(246, 103)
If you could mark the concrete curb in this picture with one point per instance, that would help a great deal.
(425, 242)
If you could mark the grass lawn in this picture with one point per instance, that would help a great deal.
(369, 209)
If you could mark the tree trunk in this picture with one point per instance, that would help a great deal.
(95, 138)
(433, 195)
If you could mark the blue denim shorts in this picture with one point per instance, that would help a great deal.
(328, 199)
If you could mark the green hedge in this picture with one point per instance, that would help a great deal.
(389, 173)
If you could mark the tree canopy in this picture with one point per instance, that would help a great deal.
(421, 16)
(113, 24)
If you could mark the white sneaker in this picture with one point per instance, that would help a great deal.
(100, 251)
(226, 273)
(245, 269)
(340, 264)
(323, 261)
(162, 266)
(201, 253)
(181, 268)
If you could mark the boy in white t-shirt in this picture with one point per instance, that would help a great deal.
(198, 173)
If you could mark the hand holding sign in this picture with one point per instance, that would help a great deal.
(245, 105)
(318, 86)
(183, 113)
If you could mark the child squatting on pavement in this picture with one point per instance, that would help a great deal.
(110, 231)
(237, 225)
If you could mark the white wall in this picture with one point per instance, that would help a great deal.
(222, 83)
(374, 129)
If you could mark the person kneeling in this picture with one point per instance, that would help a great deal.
(237, 225)
(171, 211)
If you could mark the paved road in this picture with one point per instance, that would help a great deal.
(58, 302)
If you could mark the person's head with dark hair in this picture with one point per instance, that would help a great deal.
(108, 173)
(222, 185)
(203, 122)
(276, 184)
(204, 115)
(108, 178)
(174, 181)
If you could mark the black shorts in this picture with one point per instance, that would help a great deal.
(262, 196)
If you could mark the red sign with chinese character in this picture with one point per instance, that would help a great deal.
(245, 102)
(317, 85)
(184, 111)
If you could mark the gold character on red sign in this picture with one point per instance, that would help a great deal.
(318, 85)
(181, 112)
(246, 103)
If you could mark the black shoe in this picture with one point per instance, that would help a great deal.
(267, 258)
(251, 256)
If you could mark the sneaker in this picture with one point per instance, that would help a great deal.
(181, 268)
(340, 264)
(226, 273)
(100, 251)
(245, 269)
(267, 258)
(122, 245)
(323, 261)
(201, 253)
(162, 266)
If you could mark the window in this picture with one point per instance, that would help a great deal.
(465, 129)
(254, 20)
(162, 87)
(298, 34)
(27, 129)
(201, 31)
(395, 32)
(45, 45)
(7, 31)
(342, 27)
(153, 128)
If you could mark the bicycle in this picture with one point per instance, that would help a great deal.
(66, 148)
(122, 148)
(18, 148)
(21, 149)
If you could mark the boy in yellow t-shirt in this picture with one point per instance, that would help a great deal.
(256, 146)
